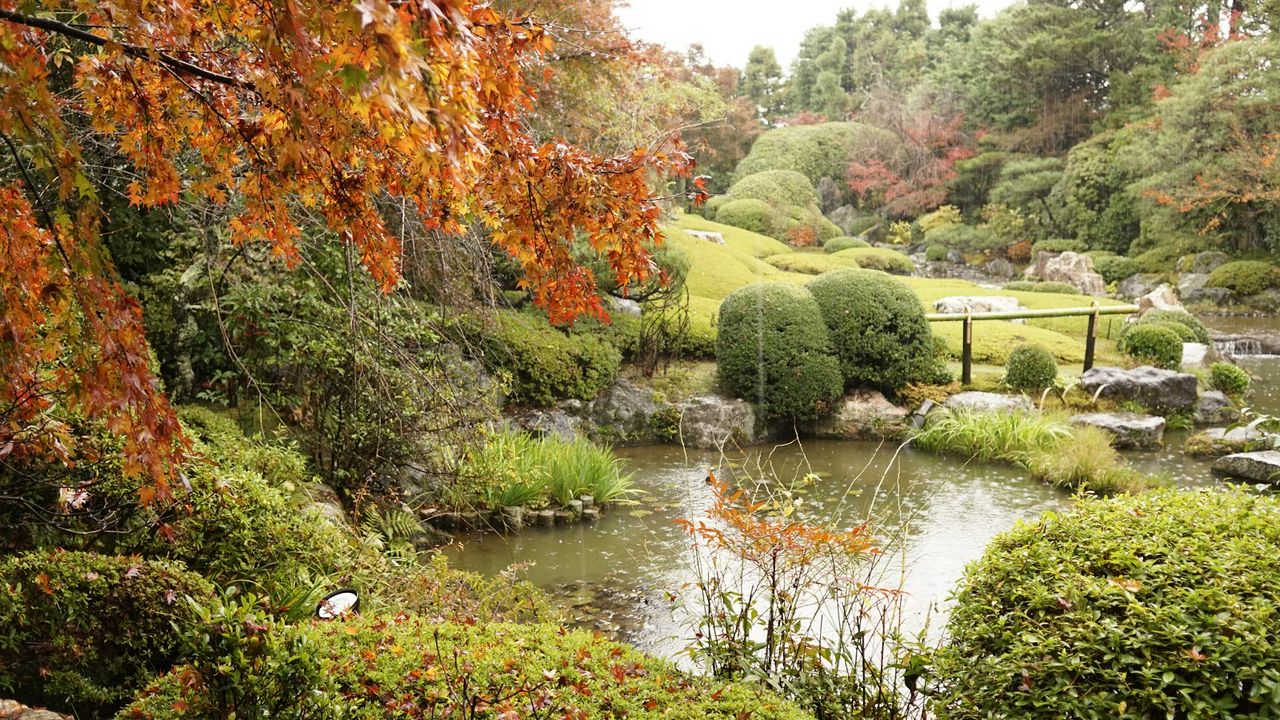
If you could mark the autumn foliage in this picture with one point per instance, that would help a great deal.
(282, 111)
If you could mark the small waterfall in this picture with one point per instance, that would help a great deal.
(1238, 346)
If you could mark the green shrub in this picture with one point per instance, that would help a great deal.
(1199, 333)
(809, 263)
(844, 242)
(860, 225)
(1087, 461)
(942, 217)
(773, 349)
(410, 666)
(967, 239)
(545, 364)
(1153, 344)
(935, 252)
(878, 329)
(1114, 268)
(82, 632)
(1230, 379)
(894, 263)
(1159, 605)
(1159, 260)
(1030, 367)
(750, 214)
(817, 151)
(713, 205)
(1052, 286)
(1057, 245)
(1245, 277)
(776, 187)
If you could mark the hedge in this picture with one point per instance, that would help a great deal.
(808, 263)
(878, 328)
(844, 242)
(1114, 268)
(776, 187)
(773, 349)
(1163, 604)
(881, 259)
(1245, 277)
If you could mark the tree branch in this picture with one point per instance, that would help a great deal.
(135, 51)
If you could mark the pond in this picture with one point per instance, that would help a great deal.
(936, 513)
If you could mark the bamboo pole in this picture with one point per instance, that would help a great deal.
(1026, 314)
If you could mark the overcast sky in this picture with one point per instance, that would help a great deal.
(728, 29)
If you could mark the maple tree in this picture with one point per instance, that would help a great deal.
(278, 111)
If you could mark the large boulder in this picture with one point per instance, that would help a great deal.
(14, 710)
(1135, 286)
(713, 422)
(985, 402)
(621, 413)
(1225, 441)
(1203, 263)
(863, 414)
(960, 304)
(554, 422)
(1213, 407)
(1069, 267)
(1153, 388)
(1161, 298)
(1259, 467)
(1195, 355)
(1191, 288)
(707, 235)
(1000, 268)
(1128, 430)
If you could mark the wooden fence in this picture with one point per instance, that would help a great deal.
(1093, 312)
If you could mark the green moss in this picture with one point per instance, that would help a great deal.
(1132, 607)
(1245, 277)
(809, 263)
(879, 259)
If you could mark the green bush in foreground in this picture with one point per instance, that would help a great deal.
(1052, 286)
(773, 349)
(1229, 378)
(878, 329)
(1030, 367)
(82, 632)
(894, 263)
(844, 242)
(414, 666)
(1245, 277)
(1158, 605)
(1153, 344)
(1199, 333)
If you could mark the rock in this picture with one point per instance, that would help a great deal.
(512, 517)
(714, 421)
(983, 402)
(550, 422)
(325, 502)
(921, 414)
(564, 517)
(587, 501)
(954, 256)
(1135, 286)
(1069, 267)
(714, 237)
(1162, 298)
(459, 521)
(591, 514)
(1000, 268)
(575, 507)
(1204, 263)
(1153, 388)
(1213, 408)
(1191, 288)
(622, 412)
(1260, 467)
(862, 414)
(627, 306)
(960, 304)
(14, 710)
(544, 518)
(1194, 355)
(1128, 430)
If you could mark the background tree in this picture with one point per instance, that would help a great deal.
(762, 83)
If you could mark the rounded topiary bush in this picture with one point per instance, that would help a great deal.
(411, 666)
(1030, 367)
(82, 632)
(1163, 604)
(1230, 379)
(878, 328)
(844, 242)
(778, 187)
(748, 214)
(1153, 344)
(1199, 333)
(773, 349)
(874, 258)
(1245, 277)
(1114, 268)
(935, 252)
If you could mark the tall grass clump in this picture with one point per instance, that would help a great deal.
(579, 467)
(1048, 446)
(517, 469)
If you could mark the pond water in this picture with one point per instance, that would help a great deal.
(936, 514)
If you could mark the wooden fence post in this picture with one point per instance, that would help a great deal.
(1091, 338)
(966, 354)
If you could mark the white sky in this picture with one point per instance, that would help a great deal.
(728, 29)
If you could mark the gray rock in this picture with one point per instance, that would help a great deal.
(14, 710)
(1236, 436)
(627, 306)
(1135, 286)
(921, 414)
(714, 421)
(564, 517)
(1153, 388)
(1191, 288)
(1262, 343)
(591, 514)
(983, 402)
(1194, 355)
(1259, 467)
(544, 518)
(1000, 268)
(954, 256)
(1128, 430)
(512, 517)
(1069, 267)
(862, 414)
(587, 501)
(622, 412)
(1214, 407)
(323, 500)
(550, 422)
(1206, 262)
(960, 304)
(707, 235)
(575, 507)
(1162, 298)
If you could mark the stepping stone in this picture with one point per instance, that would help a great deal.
(1259, 467)
(1128, 430)
(1150, 387)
